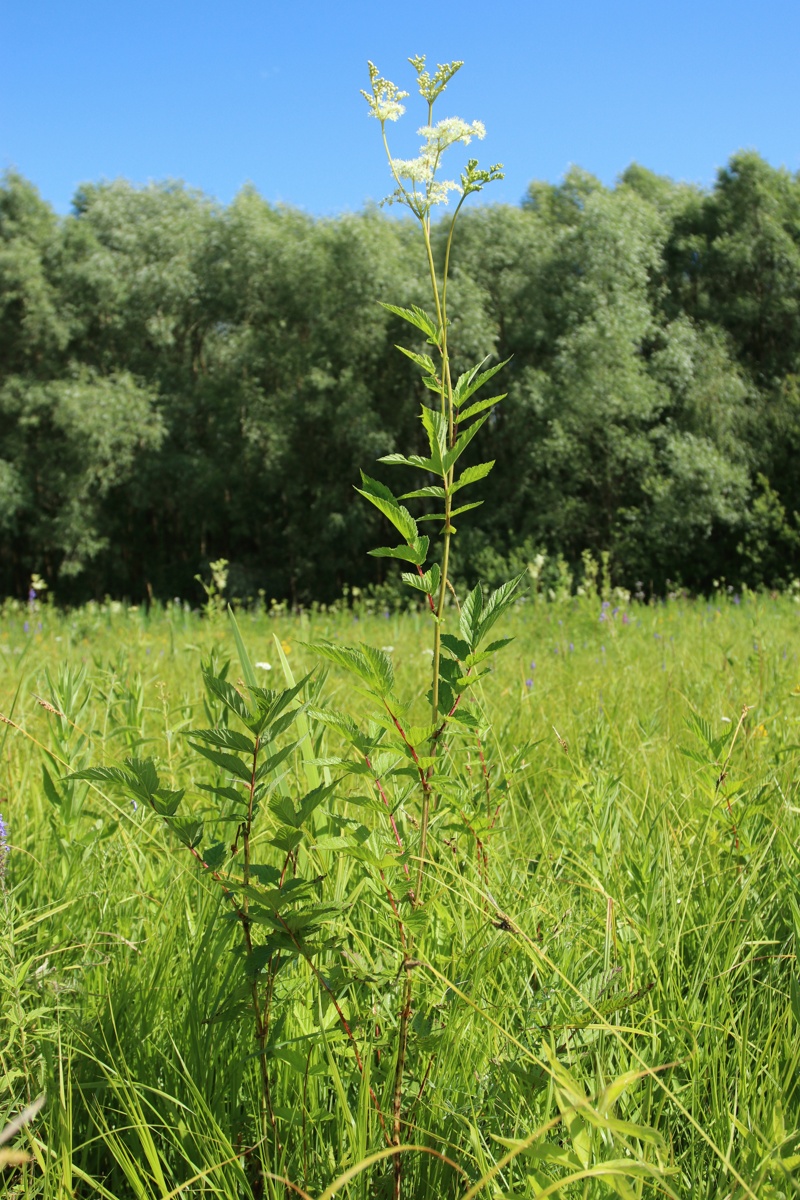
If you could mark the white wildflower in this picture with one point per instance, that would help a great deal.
(386, 110)
(449, 131)
(264, 666)
(417, 170)
(384, 100)
(437, 193)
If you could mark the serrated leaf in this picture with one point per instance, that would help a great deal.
(469, 622)
(102, 775)
(402, 460)
(472, 475)
(501, 599)
(422, 360)
(378, 494)
(226, 762)
(404, 553)
(227, 793)
(427, 583)
(462, 441)
(166, 802)
(284, 809)
(436, 428)
(415, 316)
(456, 646)
(381, 666)
(223, 739)
(481, 406)
(187, 830)
(465, 508)
(229, 696)
(493, 647)
(433, 490)
(215, 856)
(270, 764)
(471, 381)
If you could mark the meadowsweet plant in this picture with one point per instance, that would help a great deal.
(450, 419)
(348, 849)
(415, 766)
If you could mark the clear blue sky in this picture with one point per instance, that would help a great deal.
(266, 92)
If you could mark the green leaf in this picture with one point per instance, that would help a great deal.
(187, 830)
(472, 475)
(381, 666)
(498, 645)
(415, 316)
(455, 645)
(229, 696)
(166, 802)
(372, 666)
(227, 793)
(401, 460)
(422, 360)
(436, 428)
(427, 583)
(794, 997)
(226, 762)
(469, 622)
(248, 673)
(432, 490)
(463, 440)
(471, 381)
(267, 765)
(501, 599)
(481, 406)
(379, 495)
(215, 855)
(410, 554)
(465, 508)
(225, 739)
(103, 775)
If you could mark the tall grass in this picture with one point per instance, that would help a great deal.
(632, 917)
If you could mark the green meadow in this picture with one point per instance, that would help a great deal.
(605, 993)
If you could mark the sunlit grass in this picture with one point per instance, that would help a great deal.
(638, 914)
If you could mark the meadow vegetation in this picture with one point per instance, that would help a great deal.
(631, 916)
(487, 891)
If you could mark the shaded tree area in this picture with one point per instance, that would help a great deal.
(182, 381)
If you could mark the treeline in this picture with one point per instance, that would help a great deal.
(182, 381)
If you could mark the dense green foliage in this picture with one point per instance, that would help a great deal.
(634, 909)
(181, 381)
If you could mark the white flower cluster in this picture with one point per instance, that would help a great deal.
(416, 178)
(421, 171)
(384, 101)
(449, 131)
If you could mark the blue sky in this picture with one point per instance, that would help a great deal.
(264, 92)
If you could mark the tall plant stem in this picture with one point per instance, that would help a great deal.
(260, 1017)
(447, 482)
(397, 1105)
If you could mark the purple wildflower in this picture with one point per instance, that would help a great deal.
(528, 683)
(26, 627)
